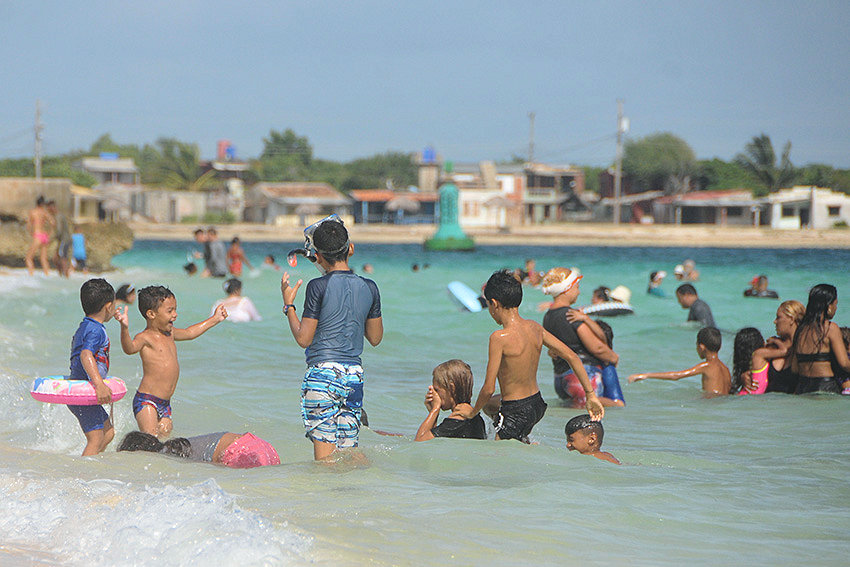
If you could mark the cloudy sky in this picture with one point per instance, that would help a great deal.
(363, 77)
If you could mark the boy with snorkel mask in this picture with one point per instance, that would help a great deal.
(340, 308)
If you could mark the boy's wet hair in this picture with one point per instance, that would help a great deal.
(609, 332)
(138, 441)
(94, 294)
(584, 423)
(331, 239)
(124, 291)
(455, 376)
(710, 338)
(198, 231)
(603, 293)
(504, 288)
(151, 297)
(270, 257)
(686, 289)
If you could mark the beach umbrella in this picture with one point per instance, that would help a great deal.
(403, 203)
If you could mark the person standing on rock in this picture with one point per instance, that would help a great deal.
(40, 226)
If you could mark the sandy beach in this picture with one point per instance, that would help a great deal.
(561, 234)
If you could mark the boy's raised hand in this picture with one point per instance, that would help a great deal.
(636, 377)
(121, 316)
(287, 291)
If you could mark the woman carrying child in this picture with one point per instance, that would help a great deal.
(770, 365)
(451, 389)
(818, 343)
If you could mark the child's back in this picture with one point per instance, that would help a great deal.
(716, 378)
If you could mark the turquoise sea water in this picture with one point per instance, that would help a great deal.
(754, 480)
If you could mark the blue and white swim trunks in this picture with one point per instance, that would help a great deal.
(332, 402)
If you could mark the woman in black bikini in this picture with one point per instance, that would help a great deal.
(818, 343)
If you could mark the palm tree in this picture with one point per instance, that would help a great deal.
(759, 160)
(178, 166)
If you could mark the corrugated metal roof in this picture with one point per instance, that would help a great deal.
(379, 195)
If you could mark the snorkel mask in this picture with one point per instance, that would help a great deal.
(309, 250)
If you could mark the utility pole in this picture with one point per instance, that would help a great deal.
(531, 138)
(618, 169)
(38, 128)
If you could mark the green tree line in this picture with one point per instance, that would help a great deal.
(175, 164)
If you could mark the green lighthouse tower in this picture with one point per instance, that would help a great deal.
(449, 236)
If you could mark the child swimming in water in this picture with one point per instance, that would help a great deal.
(585, 436)
(233, 450)
(451, 390)
(747, 342)
(513, 359)
(157, 348)
(716, 380)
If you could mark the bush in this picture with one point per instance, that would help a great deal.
(189, 219)
(225, 217)
(840, 224)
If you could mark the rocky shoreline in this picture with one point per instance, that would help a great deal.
(104, 240)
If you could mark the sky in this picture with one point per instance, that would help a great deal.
(365, 77)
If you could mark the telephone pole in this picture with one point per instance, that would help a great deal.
(531, 138)
(618, 169)
(38, 128)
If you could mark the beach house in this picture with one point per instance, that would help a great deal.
(295, 203)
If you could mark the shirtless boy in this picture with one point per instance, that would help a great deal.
(156, 347)
(514, 354)
(585, 436)
(716, 380)
(40, 225)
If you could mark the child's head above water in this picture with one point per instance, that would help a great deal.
(583, 434)
(747, 341)
(95, 294)
(151, 297)
(453, 382)
(710, 339)
(504, 288)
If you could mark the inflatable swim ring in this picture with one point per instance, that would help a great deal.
(609, 309)
(61, 390)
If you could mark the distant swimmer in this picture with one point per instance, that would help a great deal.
(758, 288)
(240, 309)
(698, 310)
(655, 280)
(716, 379)
(585, 436)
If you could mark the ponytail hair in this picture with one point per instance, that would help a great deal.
(138, 441)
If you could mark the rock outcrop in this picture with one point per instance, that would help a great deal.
(103, 241)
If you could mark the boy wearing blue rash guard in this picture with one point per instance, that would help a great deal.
(90, 361)
(340, 308)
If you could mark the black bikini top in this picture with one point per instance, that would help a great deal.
(814, 357)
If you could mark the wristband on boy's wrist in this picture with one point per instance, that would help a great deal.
(286, 308)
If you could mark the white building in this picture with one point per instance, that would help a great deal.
(808, 207)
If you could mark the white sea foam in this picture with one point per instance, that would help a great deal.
(115, 523)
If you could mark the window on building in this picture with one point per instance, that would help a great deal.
(789, 212)
(834, 211)
(735, 211)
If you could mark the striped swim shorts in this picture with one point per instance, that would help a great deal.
(331, 403)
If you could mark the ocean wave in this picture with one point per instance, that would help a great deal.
(110, 522)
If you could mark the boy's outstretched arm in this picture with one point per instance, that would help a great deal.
(198, 329)
(303, 330)
(674, 375)
(128, 345)
(593, 405)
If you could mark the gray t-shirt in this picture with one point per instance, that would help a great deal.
(700, 311)
(218, 259)
(202, 447)
(341, 301)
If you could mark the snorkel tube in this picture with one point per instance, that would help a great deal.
(309, 249)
